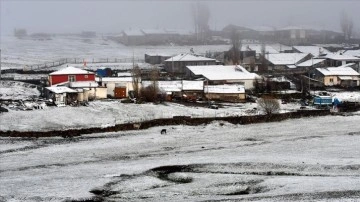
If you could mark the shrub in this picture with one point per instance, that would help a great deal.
(269, 105)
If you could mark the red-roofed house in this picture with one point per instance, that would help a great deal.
(70, 74)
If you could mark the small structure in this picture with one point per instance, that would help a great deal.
(170, 88)
(60, 95)
(177, 65)
(321, 101)
(117, 87)
(338, 76)
(104, 72)
(230, 93)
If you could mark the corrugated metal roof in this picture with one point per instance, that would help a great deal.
(60, 89)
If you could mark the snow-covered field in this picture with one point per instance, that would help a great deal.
(17, 53)
(107, 113)
(309, 159)
(15, 90)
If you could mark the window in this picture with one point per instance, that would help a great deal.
(331, 80)
(86, 76)
(72, 78)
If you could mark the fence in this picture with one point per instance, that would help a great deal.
(81, 61)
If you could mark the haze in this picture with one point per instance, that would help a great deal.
(114, 16)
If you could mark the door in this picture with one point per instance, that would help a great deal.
(120, 92)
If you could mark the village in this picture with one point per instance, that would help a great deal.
(245, 71)
(202, 100)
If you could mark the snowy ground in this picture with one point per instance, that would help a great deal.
(309, 159)
(17, 90)
(17, 53)
(107, 113)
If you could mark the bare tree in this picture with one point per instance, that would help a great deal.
(151, 92)
(201, 17)
(136, 79)
(347, 25)
(269, 105)
(234, 52)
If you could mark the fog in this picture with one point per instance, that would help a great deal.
(61, 16)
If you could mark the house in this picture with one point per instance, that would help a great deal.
(230, 93)
(61, 95)
(132, 37)
(177, 65)
(285, 61)
(117, 87)
(70, 74)
(343, 76)
(156, 58)
(220, 74)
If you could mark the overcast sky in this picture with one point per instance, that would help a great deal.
(60, 16)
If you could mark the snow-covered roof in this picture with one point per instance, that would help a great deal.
(313, 50)
(355, 53)
(338, 71)
(192, 85)
(83, 84)
(286, 58)
(60, 89)
(224, 89)
(262, 28)
(165, 86)
(280, 47)
(221, 72)
(114, 79)
(124, 74)
(311, 62)
(70, 70)
(158, 54)
(257, 48)
(339, 57)
(188, 57)
(155, 31)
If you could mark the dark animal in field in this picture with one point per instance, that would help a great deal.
(163, 131)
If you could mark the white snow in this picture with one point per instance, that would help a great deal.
(313, 157)
(17, 90)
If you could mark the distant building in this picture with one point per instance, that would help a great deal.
(284, 61)
(338, 76)
(156, 58)
(20, 33)
(220, 74)
(70, 74)
(177, 65)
